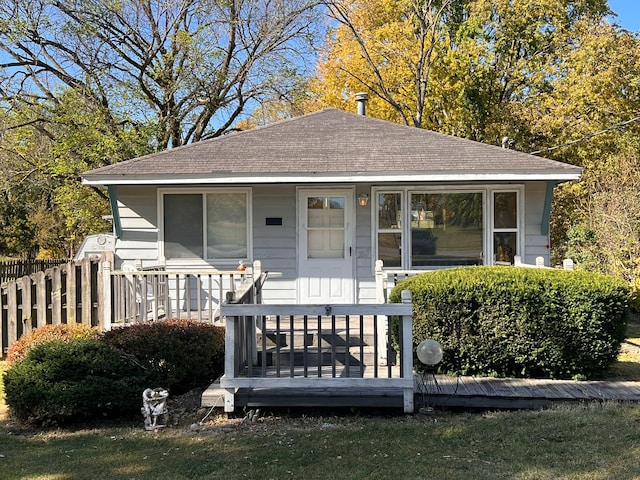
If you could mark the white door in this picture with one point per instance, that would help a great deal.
(325, 246)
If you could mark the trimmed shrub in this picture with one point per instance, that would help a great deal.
(519, 322)
(62, 382)
(46, 333)
(179, 354)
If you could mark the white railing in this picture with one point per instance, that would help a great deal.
(154, 293)
(315, 346)
(386, 279)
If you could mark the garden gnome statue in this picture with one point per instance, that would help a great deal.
(154, 404)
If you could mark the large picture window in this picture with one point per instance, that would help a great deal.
(211, 225)
(435, 228)
(446, 229)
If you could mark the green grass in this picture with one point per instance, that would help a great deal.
(633, 330)
(587, 442)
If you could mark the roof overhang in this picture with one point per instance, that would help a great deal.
(311, 178)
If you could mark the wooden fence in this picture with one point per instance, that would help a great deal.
(13, 269)
(69, 293)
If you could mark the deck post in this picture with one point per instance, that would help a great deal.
(229, 363)
(407, 353)
(257, 271)
(382, 321)
(381, 282)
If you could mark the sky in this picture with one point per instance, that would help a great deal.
(628, 13)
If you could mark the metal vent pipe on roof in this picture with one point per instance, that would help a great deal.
(362, 98)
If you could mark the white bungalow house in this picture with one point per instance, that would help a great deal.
(321, 197)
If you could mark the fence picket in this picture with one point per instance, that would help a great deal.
(71, 305)
(24, 284)
(70, 293)
(56, 296)
(12, 312)
(41, 298)
(86, 305)
(14, 269)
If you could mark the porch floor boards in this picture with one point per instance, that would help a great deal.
(445, 391)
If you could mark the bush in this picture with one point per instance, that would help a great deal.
(180, 354)
(62, 382)
(46, 333)
(520, 322)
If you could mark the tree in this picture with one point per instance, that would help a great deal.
(388, 48)
(607, 237)
(190, 67)
(43, 151)
(590, 115)
(85, 84)
(455, 66)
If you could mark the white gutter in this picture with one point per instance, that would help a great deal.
(310, 178)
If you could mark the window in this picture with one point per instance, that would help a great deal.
(505, 227)
(446, 229)
(325, 227)
(211, 225)
(437, 227)
(389, 229)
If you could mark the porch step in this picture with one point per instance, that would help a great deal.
(213, 396)
(311, 339)
(323, 357)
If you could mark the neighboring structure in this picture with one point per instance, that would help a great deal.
(320, 198)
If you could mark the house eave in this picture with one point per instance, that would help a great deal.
(312, 178)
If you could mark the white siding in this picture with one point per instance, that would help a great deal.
(275, 245)
(137, 207)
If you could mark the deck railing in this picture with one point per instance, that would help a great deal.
(386, 279)
(154, 293)
(316, 346)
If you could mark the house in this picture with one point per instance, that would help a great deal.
(321, 197)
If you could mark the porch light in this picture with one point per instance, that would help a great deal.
(363, 199)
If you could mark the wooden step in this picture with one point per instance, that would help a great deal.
(300, 339)
(325, 356)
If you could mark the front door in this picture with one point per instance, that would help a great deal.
(325, 246)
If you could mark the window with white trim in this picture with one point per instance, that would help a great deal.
(423, 228)
(213, 225)
(505, 227)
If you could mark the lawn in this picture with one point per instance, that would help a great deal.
(633, 331)
(577, 442)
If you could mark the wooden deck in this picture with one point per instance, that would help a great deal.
(507, 393)
(314, 356)
(441, 391)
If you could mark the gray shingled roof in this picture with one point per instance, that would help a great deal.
(332, 145)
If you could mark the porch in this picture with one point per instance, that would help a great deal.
(336, 349)
(307, 355)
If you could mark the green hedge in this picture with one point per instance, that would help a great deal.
(178, 354)
(60, 382)
(521, 322)
(46, 333)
